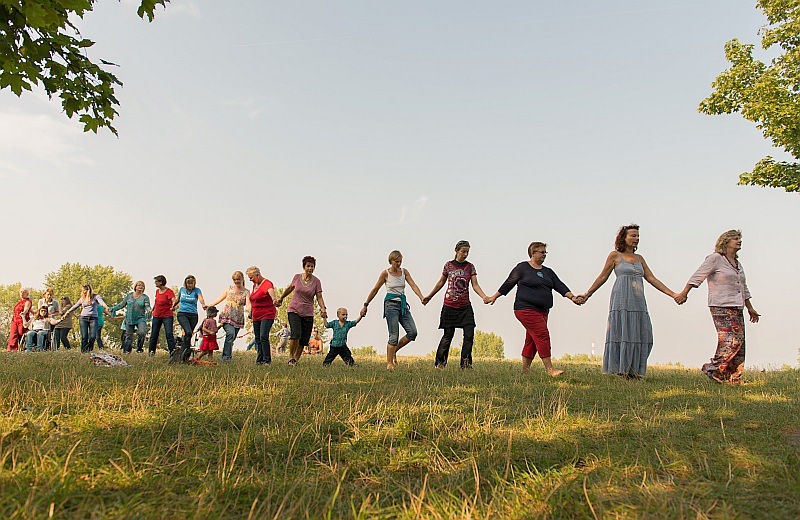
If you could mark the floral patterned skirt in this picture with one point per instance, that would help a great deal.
(728, 361)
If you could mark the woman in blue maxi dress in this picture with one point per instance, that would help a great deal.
(629, 336)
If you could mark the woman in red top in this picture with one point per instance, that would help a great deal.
(17, 329)
(162, 315)
(263, 312)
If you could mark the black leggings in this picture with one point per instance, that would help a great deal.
(466, 349)
(188, 322)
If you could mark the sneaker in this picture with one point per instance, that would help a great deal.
(292, 362)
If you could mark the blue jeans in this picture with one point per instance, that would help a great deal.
(38, 336)
(394, 318)
(88, 333)
(261, 330)
(60, 335)
(155, 329)
(230, 337)
(140, 329)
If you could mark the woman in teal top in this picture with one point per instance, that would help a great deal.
(188, 298)
(137, 311)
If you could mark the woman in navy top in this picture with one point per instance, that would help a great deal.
(535, 285)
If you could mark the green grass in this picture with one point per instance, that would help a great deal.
(240, 441)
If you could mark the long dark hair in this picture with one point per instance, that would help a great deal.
(619, 242)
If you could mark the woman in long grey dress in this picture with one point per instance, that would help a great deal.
(629, 336)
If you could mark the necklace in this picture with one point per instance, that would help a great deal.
(736, 265)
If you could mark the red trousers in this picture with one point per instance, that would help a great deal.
(537, 337)
(15, 333)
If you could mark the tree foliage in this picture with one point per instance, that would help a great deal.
(41, 45)
(488, 345)
(109, 283)
(766, 94)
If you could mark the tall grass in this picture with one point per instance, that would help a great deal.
(240, 441)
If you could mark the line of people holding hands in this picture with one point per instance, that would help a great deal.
(629, 335)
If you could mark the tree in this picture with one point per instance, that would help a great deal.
(488, 345)
(40, 45)
(766, 94)
(109, 283)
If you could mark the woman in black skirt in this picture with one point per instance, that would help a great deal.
(457, 313)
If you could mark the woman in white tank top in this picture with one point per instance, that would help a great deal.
(395, 308)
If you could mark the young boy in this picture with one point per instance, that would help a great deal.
(338, 345)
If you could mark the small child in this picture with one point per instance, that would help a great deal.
(209, 328)
(338, 345)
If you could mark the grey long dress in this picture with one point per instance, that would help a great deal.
(629, 337)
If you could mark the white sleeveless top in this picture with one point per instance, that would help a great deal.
(395, 284)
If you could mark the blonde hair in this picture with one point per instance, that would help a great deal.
(340, 309)
(722, 242)
(394, 255)
(238, 274)
(252, 270)
(137, 283)
(87, 288)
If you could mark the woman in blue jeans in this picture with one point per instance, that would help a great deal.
(237, 303)
(395, 308)
(88, 303)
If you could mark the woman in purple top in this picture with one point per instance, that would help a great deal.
(305, 286)
(88, 303)
(727, 295)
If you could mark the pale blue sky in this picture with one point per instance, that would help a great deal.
(258, 132)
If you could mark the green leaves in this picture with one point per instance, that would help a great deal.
(766, 94)
(40, 46)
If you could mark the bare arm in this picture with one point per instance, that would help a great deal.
(435, 289)
(754, 316)
(323, 311)
(373, 292)
(414, 286)
(271, 293)
(358, 319)
(221, 298)
(477, 287)
(602, 278)
(286, 292)
(655, 282)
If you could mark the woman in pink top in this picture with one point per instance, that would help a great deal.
(301, 310)
(727, 295)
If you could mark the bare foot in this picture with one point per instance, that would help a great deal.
(554, 372)
(390, 366)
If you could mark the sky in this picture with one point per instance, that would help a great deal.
(255, 133)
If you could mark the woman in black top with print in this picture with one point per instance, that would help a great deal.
(535, 285)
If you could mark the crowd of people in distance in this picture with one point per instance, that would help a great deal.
(629, 334)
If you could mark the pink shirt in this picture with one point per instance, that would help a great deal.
(726, 284)
(303, 297)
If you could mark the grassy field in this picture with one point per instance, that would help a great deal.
(240, 441)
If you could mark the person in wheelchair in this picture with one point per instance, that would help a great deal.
(38, 330)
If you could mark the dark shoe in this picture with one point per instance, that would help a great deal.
(292, 362)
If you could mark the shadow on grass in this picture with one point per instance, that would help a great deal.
(241, 440)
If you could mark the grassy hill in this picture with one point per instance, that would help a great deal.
(240, 441)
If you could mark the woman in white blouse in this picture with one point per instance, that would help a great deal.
(727, 296)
